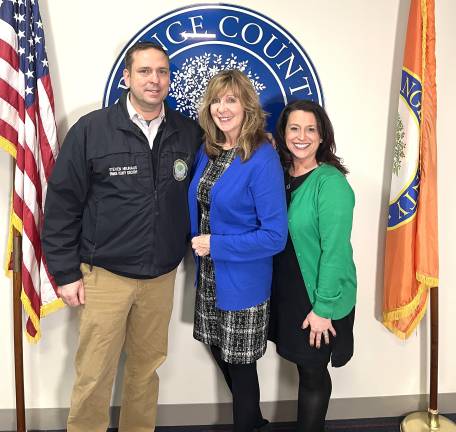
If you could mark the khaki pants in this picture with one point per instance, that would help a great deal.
(132, 313)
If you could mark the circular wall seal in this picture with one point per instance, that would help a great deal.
(204, 39)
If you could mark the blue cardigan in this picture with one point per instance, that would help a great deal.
(248, 222)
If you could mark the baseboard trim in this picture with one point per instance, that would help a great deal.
(281, 411)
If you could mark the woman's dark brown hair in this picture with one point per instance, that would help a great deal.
(326, 152)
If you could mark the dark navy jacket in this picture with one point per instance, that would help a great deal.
(106, 206)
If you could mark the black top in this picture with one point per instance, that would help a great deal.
(290, 305)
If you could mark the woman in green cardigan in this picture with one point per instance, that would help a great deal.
(314, 284)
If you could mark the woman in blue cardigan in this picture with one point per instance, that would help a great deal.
(238, 222)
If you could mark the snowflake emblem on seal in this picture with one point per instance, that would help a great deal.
(399, 146)
(190, 81)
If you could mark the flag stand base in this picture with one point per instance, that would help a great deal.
(422, 421)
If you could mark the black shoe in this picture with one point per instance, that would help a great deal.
(263, 426)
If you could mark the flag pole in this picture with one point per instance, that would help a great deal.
(17, 319)
(431, 420)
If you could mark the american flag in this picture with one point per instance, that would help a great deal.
(28, 133)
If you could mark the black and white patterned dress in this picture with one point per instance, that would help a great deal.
(241, 335)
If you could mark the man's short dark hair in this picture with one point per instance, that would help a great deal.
(141, 46)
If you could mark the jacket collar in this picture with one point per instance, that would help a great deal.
(124, 122)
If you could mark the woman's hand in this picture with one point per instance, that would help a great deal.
(202, 244)
(318, 327)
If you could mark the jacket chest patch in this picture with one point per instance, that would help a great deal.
(123, 170)
(180, 169)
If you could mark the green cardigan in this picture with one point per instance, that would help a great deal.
(320, 220)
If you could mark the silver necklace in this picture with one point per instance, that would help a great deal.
(291, 181)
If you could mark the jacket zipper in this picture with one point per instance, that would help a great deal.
(94, 246)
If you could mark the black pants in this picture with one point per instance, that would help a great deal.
(313, 398)
(242, 379)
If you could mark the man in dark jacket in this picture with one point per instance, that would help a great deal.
(115, 229)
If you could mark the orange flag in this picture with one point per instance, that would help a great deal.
(411, 253)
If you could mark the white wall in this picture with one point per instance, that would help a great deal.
(356, 47)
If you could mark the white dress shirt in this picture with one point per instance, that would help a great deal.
(149, 130)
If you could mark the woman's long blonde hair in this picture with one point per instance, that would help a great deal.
(253, 126)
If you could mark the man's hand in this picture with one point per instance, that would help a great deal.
(72, 294)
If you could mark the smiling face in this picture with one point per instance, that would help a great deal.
(148, 80)
(302, 137)
(228, 114)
